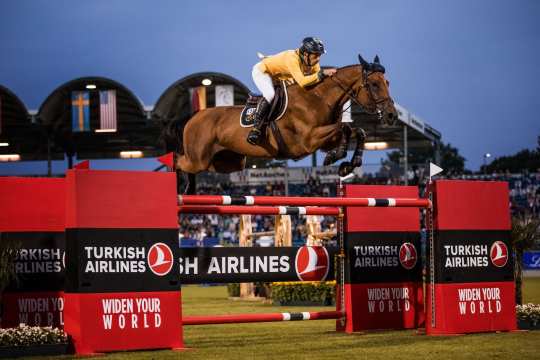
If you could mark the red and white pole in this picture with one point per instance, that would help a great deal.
(300, 201)
(254, 318)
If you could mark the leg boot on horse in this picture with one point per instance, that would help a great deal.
(255, 136)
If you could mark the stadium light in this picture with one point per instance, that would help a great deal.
(131, 154)
(376, 145)
(10, 157)
(91, 86)
(206, 82)
(4, 144)
(105, 130)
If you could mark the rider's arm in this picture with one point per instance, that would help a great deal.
(297, 74)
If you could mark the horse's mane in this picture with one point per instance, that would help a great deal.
(346, 67)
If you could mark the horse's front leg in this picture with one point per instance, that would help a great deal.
(341, 150)
(347, 167)
(356, 160)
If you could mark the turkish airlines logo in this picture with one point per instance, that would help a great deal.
(499, 254)
(160, 259)
(312, 263)
(408, 255)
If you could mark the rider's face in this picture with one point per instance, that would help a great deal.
(312, 59)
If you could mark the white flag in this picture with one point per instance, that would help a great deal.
(434, 170)
(224, 95)
(346, 117)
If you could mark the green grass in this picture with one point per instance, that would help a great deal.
(531, 290)
(318, 340)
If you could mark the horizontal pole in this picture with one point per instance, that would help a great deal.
(254, 318)
(300, 201)
(257, 210)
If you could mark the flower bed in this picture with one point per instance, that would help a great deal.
(32, 340)
(528, 316)
(304, 293)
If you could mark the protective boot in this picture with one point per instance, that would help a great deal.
(259, 123)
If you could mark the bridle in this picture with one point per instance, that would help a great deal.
(353, 95)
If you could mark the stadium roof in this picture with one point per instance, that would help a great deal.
(139, 127)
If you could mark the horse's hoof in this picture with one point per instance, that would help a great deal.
(330, 158)
(345, 168)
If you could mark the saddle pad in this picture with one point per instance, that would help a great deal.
(277, 108)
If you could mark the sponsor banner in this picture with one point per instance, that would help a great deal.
(531, 260)
(296, 175)
(467, 307)
(40, 260)
(123, 321)
(473, 256)
(266, 264)
(383, 306)
(106, 260)
(377, 257)
(33, 308)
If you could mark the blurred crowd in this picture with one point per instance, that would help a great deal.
(211, 230)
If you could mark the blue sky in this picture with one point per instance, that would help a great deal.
(468, 68)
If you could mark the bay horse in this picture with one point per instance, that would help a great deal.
(213, 140)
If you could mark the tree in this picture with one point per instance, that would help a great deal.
(524, 235)
(523, 160)
(450, 159)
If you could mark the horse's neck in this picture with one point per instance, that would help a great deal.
(334, 90)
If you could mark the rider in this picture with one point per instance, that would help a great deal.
(300, 66)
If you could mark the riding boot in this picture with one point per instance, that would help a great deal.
(259, 124)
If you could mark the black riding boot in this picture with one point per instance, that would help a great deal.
(261, 113)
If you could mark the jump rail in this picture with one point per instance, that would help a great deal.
(258, 210)
(251, 318)
(300, 201)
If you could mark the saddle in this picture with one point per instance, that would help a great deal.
(277, 108)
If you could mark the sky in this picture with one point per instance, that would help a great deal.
(468, 68)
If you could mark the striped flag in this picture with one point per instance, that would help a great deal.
(107, 110)
(198, 98)
(80, 111)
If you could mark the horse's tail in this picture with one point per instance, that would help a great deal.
(173, 133)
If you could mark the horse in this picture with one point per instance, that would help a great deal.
(213, 140)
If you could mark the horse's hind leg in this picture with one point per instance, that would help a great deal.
(341, 150)
(191, 186)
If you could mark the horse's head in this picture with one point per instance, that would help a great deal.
(373, 91)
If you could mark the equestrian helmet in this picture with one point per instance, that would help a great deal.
(312, 45)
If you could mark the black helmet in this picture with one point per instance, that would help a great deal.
(312, 45)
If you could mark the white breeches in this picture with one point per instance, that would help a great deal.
(263, 81)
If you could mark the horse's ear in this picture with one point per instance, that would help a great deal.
(363, 62)
(376, 60)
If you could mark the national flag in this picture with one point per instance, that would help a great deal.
(107, 110)
(198, 98)
(346, 116)
(224, 95)
(80, 111)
